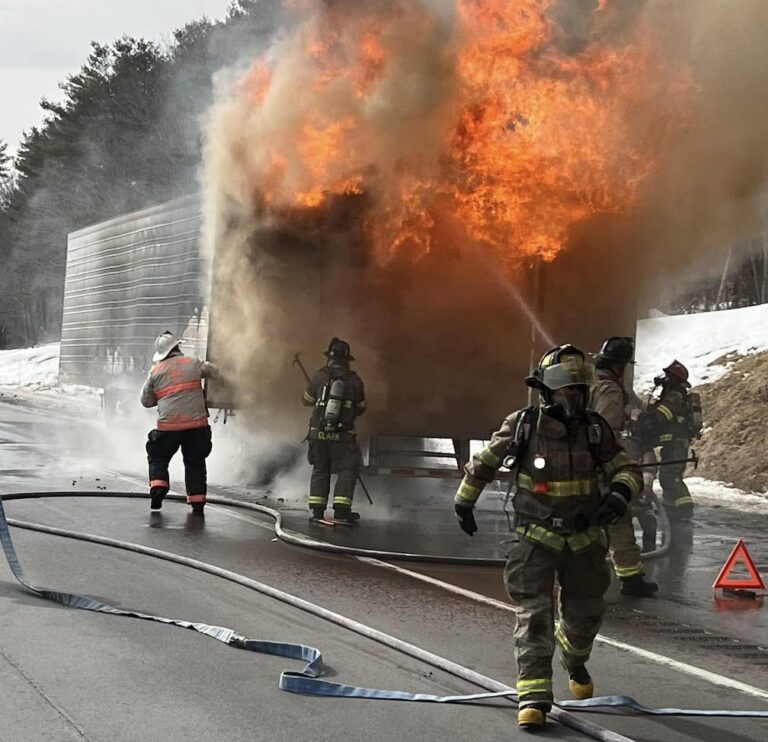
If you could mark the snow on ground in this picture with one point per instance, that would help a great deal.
(697, 340)
(706, 492)
(31, 375)
(30, 367)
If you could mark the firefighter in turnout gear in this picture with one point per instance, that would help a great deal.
(556, 451)
(338, 397)
(671, 421)
(610, 399)
(174, 386)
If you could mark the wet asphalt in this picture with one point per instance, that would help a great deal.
(97, 677)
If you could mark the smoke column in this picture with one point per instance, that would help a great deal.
(385, 170)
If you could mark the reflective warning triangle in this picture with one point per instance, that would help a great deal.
(724, 579)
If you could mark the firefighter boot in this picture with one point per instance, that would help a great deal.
(345, 515)
(638, 587)
(156, 495)
(531, 718)
(580, 682)
(198, 507)
(318, 512)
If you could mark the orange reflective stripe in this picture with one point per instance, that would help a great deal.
(159, 483)
(195, 498)
(185, 386)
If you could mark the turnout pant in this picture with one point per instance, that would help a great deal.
(333, 457)
(625, 553)
(675, 494)
(529, 577)
(195, 447)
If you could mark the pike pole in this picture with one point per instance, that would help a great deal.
(693, 459)
(297, 362)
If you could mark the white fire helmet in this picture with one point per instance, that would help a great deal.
(164, 344)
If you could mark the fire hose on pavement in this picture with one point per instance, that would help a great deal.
(308, 680)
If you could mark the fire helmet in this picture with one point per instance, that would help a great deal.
(560, 367)
(677, 371)
(164, 344)
(338, 350)
(617, 350)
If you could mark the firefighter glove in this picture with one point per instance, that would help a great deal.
(612, 508)
(466, 518)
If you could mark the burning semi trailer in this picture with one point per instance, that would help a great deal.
(444, 185)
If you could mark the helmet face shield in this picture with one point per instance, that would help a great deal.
(569, 370)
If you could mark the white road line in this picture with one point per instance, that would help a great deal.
(661, 659)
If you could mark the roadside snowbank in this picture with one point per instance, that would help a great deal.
(707, 343)
(30, 367)
(30, 375)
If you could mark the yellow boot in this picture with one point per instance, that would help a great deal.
(580, 682)
(531, 718)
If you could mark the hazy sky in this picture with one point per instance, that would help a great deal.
(43, 41)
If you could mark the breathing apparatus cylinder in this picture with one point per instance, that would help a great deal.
(333, 404)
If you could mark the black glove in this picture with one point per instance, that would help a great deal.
(466, 518)
(612, 508)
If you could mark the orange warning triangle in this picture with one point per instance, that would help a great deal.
(724, 579)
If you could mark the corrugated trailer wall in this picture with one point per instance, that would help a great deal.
(127, 280)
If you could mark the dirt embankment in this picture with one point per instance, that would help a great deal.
(734, 447)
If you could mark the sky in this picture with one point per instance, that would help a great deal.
(43, 41)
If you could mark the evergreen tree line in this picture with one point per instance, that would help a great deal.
(127, 134)
(742, 282)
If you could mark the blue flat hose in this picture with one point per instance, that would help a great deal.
(308, 681)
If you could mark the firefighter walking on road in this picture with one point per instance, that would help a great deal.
(174, 386)
(672, 421)
(611, 400)
(338, 397)
(556, 451)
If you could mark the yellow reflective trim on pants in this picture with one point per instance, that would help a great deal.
(536, 685)
(685, 500)
(563, 488)
(489, 458)
(342, 501)
(664, 410)
(315, 500)
(567, 647)
(666, 438)
(467, 493)
(624, 572)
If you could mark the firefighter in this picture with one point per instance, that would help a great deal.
(611, 400)
(556, 451)
(338, 397)
(174, 385)
(671, 421)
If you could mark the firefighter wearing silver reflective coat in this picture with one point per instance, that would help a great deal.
(610, 399)
(337, 395)
(556, 453)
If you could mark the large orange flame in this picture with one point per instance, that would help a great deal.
(523, 141)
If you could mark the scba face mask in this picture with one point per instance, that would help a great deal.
(570, 401)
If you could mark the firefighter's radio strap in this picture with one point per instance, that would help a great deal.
(306, 681)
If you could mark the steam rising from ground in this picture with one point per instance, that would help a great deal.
(384, 235)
